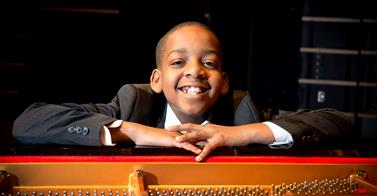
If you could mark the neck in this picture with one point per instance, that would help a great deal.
(192, 119)
(187, 118)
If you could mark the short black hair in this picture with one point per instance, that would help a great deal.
(161, 43)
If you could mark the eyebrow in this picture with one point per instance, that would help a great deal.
(212, 52)
(205, 52)
(180, 51)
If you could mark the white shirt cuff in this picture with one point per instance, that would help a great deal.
(283, 139)
(106, 135)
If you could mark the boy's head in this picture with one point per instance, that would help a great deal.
(189, 70)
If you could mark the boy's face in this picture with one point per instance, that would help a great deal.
(190, 74)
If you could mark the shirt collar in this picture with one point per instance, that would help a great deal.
(172, 120)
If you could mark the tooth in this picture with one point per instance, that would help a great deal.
(194, 90)
(191, 90)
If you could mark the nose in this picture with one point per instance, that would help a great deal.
(195, 70)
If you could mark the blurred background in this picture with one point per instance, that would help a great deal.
(289, 55)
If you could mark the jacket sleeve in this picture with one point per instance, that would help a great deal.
(317, 126)
(71, 123)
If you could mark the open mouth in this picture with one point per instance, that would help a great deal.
(193, 90)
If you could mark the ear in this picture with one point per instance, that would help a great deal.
(155, 81)
(225, 88)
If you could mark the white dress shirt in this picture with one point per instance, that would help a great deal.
(172, 120)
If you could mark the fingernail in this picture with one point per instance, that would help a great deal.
(178, 138)
(198, 158)
(198, 151)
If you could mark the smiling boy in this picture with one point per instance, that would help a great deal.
(189, 71)
(185, 95)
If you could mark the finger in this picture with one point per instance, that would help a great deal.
(188, 146)
(206, 150)
(201, 144)
(177, 128)
(189, 136)
(185, 127)
(173, 128)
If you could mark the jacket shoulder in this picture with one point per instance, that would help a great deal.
(139, 103)
(246, 111)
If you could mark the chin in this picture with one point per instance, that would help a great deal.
(195, 111)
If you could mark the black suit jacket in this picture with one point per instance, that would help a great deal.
(81, 124)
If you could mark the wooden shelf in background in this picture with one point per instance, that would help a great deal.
(336, 82)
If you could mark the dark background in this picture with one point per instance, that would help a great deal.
(84, 51)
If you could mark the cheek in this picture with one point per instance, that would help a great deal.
(217, 81)
(169, 80)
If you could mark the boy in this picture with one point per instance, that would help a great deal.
(188, 87)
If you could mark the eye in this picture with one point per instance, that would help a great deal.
(210, 64)
(177, 63)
